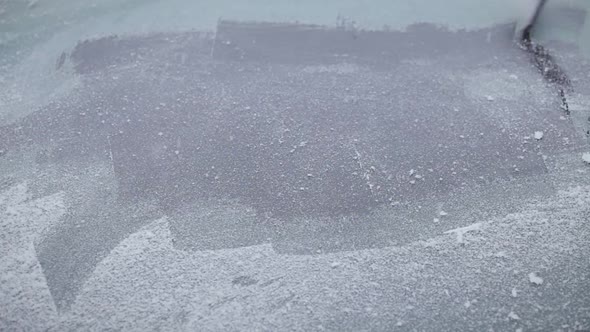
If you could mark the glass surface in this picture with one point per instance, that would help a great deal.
(294, 165)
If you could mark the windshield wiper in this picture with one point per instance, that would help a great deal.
(543, 60)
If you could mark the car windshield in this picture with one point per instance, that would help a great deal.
(334, 165)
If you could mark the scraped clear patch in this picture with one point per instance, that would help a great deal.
(510, 83)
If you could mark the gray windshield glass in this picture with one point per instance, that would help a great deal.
(257, 165)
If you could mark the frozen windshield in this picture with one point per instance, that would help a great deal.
(280, 165)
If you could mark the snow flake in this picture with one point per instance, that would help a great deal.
(513, 316)
(535, 279)
(463, 230)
